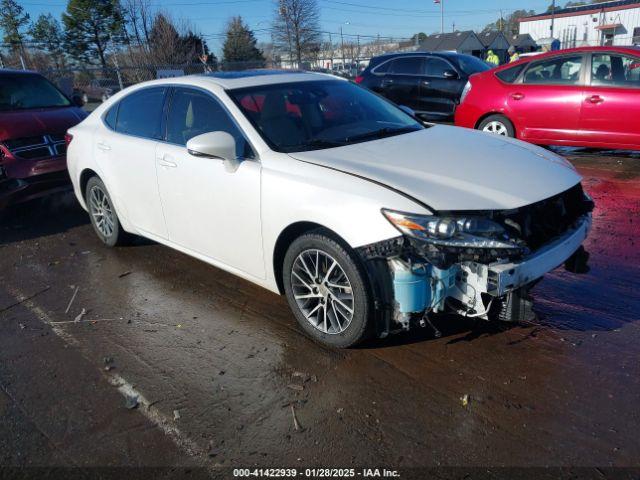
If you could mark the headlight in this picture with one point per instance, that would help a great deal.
(467, 231)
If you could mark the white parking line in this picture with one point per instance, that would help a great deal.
(146, 408)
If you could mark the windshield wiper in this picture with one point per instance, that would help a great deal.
(381, 133)
(321, 143)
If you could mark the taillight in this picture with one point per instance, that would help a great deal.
(359, 79)
(67, 139)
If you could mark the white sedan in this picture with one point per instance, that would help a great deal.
(313, 187)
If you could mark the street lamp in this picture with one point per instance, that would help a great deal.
(342, 44)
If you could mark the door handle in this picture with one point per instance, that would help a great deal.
(103, 146)
(167, 161)
(426, 83)
(387, 81)
(517, 96)
(595, 99)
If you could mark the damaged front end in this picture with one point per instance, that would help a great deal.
(476, 264)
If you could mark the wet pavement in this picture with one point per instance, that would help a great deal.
(219, 374)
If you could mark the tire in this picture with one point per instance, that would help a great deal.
(497, 125)
(344, 302)
(100, 207)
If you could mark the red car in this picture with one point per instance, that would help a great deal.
(586, 96)
(34, 118)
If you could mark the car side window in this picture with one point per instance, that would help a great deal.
(140, 113)
(407, 66)
(615, 70)
(193, 113)
(111, 116)
(382, 68)
(509, 75)
(435, 67)
(559, 70)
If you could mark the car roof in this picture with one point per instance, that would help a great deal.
(418, 53)
(618, 49)
(11, 71)
(249, 78)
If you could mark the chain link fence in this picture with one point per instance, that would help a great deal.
(95, 84)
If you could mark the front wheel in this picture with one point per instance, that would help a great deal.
(497, 125)
(326, 289)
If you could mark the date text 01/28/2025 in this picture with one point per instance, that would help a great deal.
(316, 473)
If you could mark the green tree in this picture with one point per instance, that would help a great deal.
(90, 27)
(509, 25)
(12, 19)
(46, 32)
(240, 44)
(419, 37)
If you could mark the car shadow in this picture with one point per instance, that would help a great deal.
(57, 213)
(39, 218)
(450, 326)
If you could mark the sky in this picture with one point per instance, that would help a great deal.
(367, 18)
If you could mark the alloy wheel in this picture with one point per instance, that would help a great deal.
(497, 128)
(101, 211)
(322, 291)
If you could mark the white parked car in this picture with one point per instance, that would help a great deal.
(316, 188)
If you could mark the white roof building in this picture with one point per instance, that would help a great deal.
(609, 23)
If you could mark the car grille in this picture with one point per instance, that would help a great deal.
(542, 221)
(41, 146)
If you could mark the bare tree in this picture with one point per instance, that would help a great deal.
(296, 28)
(139, 16)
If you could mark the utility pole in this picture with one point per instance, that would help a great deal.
(441, 16)
(553, 16)
(342, 49)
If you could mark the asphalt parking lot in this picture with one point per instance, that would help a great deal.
(162, 360)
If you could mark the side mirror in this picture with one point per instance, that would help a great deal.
(78, 100)
(219, 145)
(407, 110)
(451, 74)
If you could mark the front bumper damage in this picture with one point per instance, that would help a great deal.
(410, 287)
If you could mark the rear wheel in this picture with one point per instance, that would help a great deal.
(326, 289)
(498, 125)
(103, 215)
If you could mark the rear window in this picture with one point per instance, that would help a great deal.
(510, 74)
(470, 64)
(28, 91)
(382, 67)
(140, 113)
(407, 65)
(110, 117)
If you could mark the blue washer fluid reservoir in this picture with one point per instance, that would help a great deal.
(412, 286)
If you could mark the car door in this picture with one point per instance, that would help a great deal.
(440, 88)
(209, 210)
(545, 103)
(611, 105)
(401, 82)
(125, 150)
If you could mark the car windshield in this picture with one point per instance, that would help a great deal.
(314, 115)
(26, 91)
(471, 65)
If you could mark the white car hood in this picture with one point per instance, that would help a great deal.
(449, 168)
